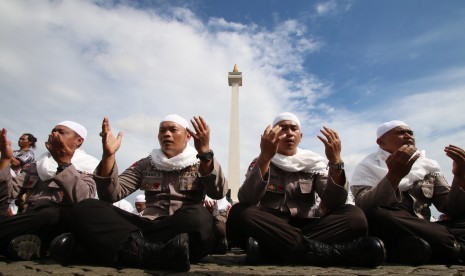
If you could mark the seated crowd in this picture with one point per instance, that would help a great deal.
(295, 206)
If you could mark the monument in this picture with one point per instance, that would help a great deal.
(234, 80)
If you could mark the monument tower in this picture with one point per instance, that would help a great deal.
(234, 80)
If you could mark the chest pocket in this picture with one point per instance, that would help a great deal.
(189, 183)
(31, 181)
(152, 183)
(306, 191)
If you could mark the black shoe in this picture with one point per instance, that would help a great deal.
(25, 247)
(172, 255)
(221, 246)
(253, 255)
(64, 249)
(365, 251)
(410, 250)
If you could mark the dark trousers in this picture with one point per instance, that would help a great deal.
(102, 228)
(46, 221)
(391, 224)
(281, 236)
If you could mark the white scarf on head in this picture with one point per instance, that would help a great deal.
(374, 168)
(185, 159)
(303, 160)
(47, 166)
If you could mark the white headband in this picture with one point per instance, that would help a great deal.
(177, 119)
(383, 128)
(78, 128)
(286, 116)
(140, 198)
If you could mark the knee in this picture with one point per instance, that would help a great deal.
(356, 220)
(47, 216)
(240, 214)
(199, 218)
(86, 204)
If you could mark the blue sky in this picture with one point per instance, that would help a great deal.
(350, 65)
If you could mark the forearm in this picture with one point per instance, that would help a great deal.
(106, 165)
(215, 182)
(15, 162)
(4, 163)
(264, 164)
(367, 197)
(206, 167)
(77, 186)
(254, 186)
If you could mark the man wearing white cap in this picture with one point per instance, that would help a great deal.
(292, 208)
(139, 203)
(396, 186)
(174, 228)
(58, 179)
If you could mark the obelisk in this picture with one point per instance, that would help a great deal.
(234, 80)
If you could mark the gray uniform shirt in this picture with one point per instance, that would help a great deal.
(432, 189)
(69, 186)
(165, 191)
(291, 194)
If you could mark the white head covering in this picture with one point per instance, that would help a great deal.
(383, 128)
(177, 119)
(78, 128)
(286, 116)
(140, 198)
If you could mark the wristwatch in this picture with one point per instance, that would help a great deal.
(336, 166)
(206, 156)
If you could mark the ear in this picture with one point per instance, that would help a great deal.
(188, 136)
(380, 142)
(79, 142)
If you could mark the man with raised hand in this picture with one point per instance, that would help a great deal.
(396, 186)
(60, 178)
(292, 208)
(175, 228)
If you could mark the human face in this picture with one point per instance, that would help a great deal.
(173, 138)
(23, 142)
(288, 145)
(140, 206)
(69, 137)
(396, 138)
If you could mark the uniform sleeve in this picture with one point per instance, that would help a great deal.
(449, 200)
(9, 185)
(114, 187)
(332, 195)
(254, 186)
(76, 185)
(367, 197)
(216, 185)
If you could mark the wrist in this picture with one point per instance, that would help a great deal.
(205, 156)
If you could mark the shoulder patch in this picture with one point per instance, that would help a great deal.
(135, 164)
(251, 166)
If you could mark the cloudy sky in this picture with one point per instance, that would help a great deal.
(348, 64)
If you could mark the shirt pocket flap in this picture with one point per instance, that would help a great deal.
(151, 183)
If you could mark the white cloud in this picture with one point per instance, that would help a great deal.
(79, 61)
(326, 7)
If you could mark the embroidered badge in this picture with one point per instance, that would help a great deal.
(251, 165)
(271, 187)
